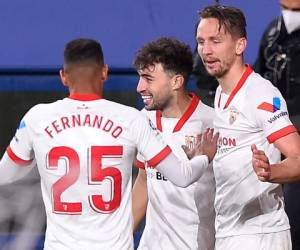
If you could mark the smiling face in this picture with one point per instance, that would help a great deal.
(155, 87)
(218, 49)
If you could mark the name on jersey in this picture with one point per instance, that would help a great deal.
(275, 117)
(83, 120)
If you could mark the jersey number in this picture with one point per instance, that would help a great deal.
(96, 175)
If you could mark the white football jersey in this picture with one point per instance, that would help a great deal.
(254, 113)
(180, 218)
(84, 148)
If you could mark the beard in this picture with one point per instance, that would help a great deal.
(220, 71)
(157, 105)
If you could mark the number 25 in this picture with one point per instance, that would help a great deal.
(97, 174)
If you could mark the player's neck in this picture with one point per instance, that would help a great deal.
(177, 106)
(229, 81)
(93, 89)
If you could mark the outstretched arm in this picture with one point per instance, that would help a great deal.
(187, 172)
(139, 198)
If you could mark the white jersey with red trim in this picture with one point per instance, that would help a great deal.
(254, 113)
(180, 218)
(84, 151)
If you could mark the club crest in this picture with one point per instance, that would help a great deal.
(233, 113)
(190, 141)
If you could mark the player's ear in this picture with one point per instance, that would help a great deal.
(177, 81)
(63, 77)
(241, 46)
(104, 73)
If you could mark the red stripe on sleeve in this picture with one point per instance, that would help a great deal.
(139, 164)
(17, 159)
(280, 133)
(159, 157)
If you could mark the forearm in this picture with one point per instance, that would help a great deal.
(139, 199)
(183, 173)
(10, 171)
(286, 171)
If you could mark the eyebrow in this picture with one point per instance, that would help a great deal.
(146, 75)
(218, 36)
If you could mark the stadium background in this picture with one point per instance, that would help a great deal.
(33, 35)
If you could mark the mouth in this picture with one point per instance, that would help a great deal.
(147, 99)
(211, 63)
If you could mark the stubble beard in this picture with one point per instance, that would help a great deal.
(219, 72)
(157, 105)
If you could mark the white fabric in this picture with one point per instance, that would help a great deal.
(271, 241)
(99, 187)
(180, 218)
(10, 171)
(187, 172)
(291, 20)
(244, 205)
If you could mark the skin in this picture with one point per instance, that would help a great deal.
(221, 53)
(162, 90)
(84, 79)
(290, 4)
(287, 170)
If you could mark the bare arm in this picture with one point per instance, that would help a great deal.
(139, 198)
(285, 171)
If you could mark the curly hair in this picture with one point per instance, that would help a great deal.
(175, 56)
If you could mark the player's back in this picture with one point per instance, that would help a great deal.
(84, 153)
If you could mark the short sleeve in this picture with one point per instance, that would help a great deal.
(149, 141)
(20, 148)
(272, 116)
(140, 162)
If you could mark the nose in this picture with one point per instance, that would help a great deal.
(141, 86)
(204, 49)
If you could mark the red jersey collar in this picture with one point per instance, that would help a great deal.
(187, 114)
(84, 97)
(241, 82)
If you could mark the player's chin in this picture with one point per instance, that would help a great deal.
(150, 106)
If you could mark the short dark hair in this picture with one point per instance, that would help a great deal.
(83, 51)
(233, 19)
(175, 56)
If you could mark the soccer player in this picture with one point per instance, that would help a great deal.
(176, 218)
(249, 110)
(84, 147)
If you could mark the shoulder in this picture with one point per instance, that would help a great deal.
(41, 109)
(149, 113)
(258, 87)
(121, 112)
(203, 114)
(204, 108)
(116, 107)
(260, 91)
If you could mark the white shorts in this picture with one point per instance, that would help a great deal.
(269, 241)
